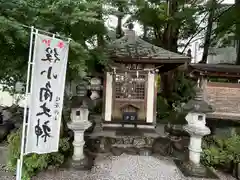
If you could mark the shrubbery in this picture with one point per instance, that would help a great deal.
(221, 152)
(169, 108)
(34, 163)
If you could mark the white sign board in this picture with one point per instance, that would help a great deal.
(46, 98)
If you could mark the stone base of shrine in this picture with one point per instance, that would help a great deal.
(128, 141)
(189, 169)
(128, 124)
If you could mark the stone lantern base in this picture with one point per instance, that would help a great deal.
(84, 164)
(190, 169)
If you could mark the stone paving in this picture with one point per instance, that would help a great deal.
(123, 167)
(3, 159)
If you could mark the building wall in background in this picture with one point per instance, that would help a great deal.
(224, 97)
(6, 99)
(222, 55)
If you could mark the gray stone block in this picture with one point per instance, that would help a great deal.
(3, 155)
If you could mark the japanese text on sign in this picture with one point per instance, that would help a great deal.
(47, 94)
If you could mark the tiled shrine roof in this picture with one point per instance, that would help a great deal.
(133, 47)
(225, 99)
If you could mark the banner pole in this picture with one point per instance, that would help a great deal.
(20, 161)
(32, 63)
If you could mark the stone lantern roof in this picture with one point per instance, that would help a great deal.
(131, 48)
(198, 105)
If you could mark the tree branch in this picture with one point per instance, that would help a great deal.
(216, 18)
(189, 41)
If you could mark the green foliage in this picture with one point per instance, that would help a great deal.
(98, 108)
(183, 89)
(224, 33)
(167, 114)
(220, 152)
(170, 108)
(154, 15)
(76, 19)
(34, 163)
(238, 131)
(163, 108)
(83, 22)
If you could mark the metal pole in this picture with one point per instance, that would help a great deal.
(31, 85)
(20, 161)
(195, 52)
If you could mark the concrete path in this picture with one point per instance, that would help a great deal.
(124, 167)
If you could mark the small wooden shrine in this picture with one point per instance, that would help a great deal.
(130, 89)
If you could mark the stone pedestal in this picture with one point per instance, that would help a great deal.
(195, 144)
(79, 124)
(79, 160)
(190, 169)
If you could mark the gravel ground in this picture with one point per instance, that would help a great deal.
(124, 167)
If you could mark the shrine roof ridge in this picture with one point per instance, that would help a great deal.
(225, 68)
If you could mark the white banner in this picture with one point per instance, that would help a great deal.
(46, 98)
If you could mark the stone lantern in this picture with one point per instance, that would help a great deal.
(196, 119)
(79, 123)
(95, 87)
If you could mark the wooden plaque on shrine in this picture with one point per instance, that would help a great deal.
(129, 116)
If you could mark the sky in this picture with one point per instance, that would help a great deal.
(228, 1)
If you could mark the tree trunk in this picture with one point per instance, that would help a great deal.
(170, 35)
(175, 34)
(208, 35)
(238, 51)
(100, 38)
(145, 32)
(237, 2)
(170, 38)
(167, 31)
(119, 32)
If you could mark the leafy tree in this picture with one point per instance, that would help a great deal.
(76, 19)
(163, 23)
(225, 22)
(227, 30)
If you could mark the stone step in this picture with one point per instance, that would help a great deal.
(5, 173)
(3, 155)
(3, 162)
